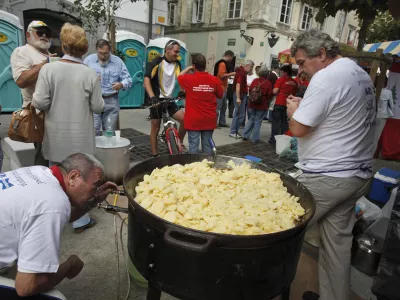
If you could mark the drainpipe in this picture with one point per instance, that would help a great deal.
(150, 25)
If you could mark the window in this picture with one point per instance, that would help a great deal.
(307, 17)
(198, 11)
(285, 11)
(171, 13)
(234, 9)
(351, 36)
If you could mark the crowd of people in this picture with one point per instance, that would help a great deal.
(330, 107)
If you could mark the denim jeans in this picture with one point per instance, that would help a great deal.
(194, 137)
(279, 121)
(239, 114)
(82, 221)
(221, 110)
(253, 125)
(111, 110)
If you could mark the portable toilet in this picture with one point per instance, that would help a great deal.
(133, 47)
(156, 47)
(11, 32)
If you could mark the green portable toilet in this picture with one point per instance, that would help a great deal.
(156, 47)
(10, 38)
(133, 47)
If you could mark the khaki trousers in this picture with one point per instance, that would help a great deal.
(335, 200)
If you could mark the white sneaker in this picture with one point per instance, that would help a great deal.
(235, 136)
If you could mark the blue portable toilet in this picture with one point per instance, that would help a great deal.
(11, 32)
(133, 47)
(156, 47)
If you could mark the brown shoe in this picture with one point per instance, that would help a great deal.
(91, 223)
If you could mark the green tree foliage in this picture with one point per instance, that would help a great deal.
(366, 11)
(94, 13)
(383, 28)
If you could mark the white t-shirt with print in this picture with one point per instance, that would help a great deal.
(339, 105)
(23, 59)
(33, 211)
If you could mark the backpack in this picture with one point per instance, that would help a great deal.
(255, 94)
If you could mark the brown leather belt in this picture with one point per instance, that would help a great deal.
(110, 96)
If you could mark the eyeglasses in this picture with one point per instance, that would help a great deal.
(170, 43)
(43, 32)
(103, 53)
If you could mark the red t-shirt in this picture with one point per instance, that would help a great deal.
(266, 89)
(395, 67)
(202, 91)
(301, 82)
(287, 86)
(245, 87)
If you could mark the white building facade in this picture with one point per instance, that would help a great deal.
(211, 27)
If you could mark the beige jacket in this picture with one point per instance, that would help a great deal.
(69, 94)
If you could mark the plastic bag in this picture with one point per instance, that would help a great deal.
(367, 210)
(291, 153)
(387, 281)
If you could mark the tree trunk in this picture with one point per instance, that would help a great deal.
(150, 23)
(366, 21)
(112, 33)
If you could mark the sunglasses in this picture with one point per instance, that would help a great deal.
(170, 43)
(41, 33)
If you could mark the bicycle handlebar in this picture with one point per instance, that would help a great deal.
(170, 100)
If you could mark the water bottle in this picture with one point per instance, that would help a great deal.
(109, 131)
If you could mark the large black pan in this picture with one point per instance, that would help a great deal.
(193, 264)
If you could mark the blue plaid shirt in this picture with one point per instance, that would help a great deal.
(114, 71)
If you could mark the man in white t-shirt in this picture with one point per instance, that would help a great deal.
(36, 203)
(334, 123)
(26, 62)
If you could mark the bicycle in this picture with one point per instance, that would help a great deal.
(169, 135)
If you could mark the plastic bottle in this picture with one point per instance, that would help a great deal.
(109, 132)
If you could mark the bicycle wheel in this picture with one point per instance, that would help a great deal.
(174, 149)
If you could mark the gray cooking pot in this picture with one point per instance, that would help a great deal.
(114, 154)
(366, 254)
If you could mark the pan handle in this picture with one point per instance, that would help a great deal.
(189, 240)
(129, 150)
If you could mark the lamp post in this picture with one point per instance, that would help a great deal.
(243, 27)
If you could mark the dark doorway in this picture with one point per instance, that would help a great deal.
(54, 20)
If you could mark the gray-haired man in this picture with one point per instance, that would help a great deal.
(114, 76)
(36, 204)
(26, 63)
(333, 123)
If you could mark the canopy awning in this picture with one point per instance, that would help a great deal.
(285, 58)
(388, 47)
